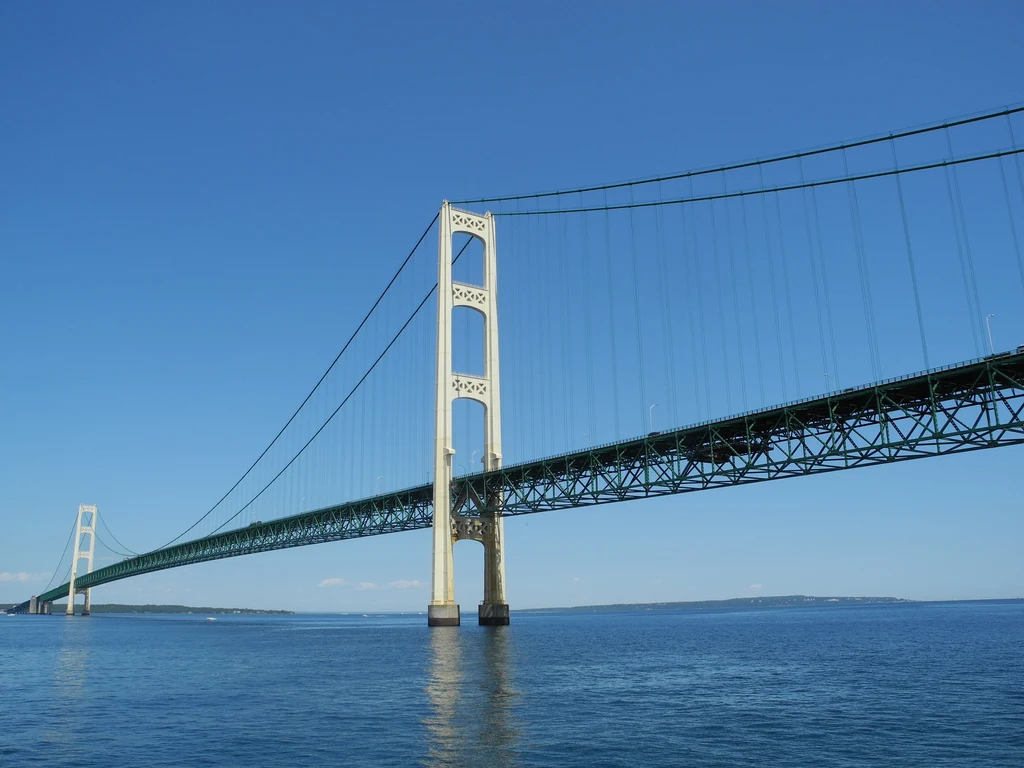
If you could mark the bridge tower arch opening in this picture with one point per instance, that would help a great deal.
(85, 547)
(459, 513)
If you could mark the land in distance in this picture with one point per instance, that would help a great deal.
(735, 603)
(122, 608)
(740, 603)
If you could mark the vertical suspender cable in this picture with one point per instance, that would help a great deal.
(863, 273)
(814, 275)
(688, 282)
(511, 336)
(824, 284)
(667, 326)
(507, 414)
(543, 338)
(545, 341)
(384, 467)
(636, 316)
(910, 256)
(700, 308)
(735, 296)
(1016, 157)
(568, 415)
(1006, 195)
(611, 318)
(531, 356)
(967, 262)
(547, 299)
(771, 280)
(753, 302)
(588, 344)
(373, 381)
(361, 473)
(1013, 226)
(401, 442)
(521, 332)
(721, 309)
(789, 297)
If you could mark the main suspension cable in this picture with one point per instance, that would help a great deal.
(60, 562)
(315, 387)
(967, 120)
(784, 188)
(107, 528)
(334, 413)
(112, 549)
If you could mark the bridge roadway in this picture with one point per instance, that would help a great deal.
(964, 407)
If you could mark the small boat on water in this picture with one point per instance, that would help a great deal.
(210, 618)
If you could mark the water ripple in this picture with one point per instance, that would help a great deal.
(907, 685)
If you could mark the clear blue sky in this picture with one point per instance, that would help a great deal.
(198, 200)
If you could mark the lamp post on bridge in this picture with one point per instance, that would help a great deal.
(650, 417)
(988, 326)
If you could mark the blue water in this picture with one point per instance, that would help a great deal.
(903, 685)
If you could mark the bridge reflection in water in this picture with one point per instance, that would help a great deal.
(472, 694)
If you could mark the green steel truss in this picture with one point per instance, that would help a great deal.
(961, 408)
(388, 513)
(966, 407)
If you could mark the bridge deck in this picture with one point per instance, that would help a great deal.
(966, 407)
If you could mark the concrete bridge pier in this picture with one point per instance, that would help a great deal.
(33, 605)
(443, 615)
(494, 615)
(494, 608)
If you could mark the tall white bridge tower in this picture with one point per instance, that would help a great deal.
(86, 526)
(450, 524)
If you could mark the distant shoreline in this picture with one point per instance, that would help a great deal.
(735, 603)
(59, 608)
(783, 601)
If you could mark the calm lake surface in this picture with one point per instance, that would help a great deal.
(901, 685)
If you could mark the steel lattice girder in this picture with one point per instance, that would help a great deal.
(978, 405)
(388, 513)
(962, 408)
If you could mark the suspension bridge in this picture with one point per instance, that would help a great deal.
(822, 310)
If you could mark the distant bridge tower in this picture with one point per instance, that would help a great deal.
(87, 521)
(450, 524)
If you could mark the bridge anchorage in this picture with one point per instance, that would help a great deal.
(467, 515)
